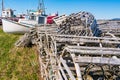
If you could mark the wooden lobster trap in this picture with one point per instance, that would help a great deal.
(76, 49)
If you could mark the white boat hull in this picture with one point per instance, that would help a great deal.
(14, 27)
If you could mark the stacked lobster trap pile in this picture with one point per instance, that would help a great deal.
(76, 49)
(110, 26)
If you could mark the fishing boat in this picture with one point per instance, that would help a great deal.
(10, 26)
(32, 19)
(35, 16)
(38, 16)
(23, 25)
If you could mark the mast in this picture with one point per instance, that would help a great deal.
(2, 5)
(41, 7)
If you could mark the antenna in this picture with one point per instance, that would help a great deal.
(41, 6)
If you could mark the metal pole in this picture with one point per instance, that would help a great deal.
(86, 26)
(2, 5)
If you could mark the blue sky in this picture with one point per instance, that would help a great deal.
(101, 9)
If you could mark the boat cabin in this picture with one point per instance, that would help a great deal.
(7, 13)
(37, 16)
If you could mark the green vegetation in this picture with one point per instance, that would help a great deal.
(17, 63)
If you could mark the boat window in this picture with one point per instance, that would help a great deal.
(12, 13)
(32, 16)
(7, 12)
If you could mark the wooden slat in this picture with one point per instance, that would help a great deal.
(93, 48)
(97, 60)
(63, 73)
(94, 52)
(80, 40)
(87, 39)
(67, 69)
(60, 76)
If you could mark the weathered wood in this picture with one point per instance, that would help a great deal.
(111, 27)
(62, 72)
(58, 20)
(24, 41)
(68, 47)
(77, 67)
(98, 60)
(86, 39)
(94, 48)
(67, 69)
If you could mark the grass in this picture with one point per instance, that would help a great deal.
(17, 63)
